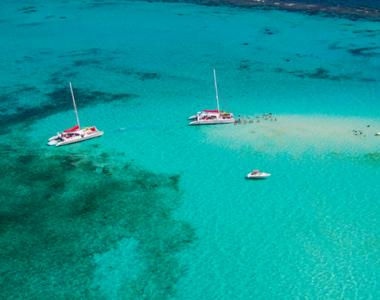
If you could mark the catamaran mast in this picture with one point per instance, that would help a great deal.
(216, 92)
(75, 106)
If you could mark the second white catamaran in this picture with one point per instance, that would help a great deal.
(75, 134)
(211, 117)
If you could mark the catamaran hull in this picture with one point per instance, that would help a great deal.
(52, 142)
(53, 138)
(208, 113)
(212, 122)
(257, 176)
(79, 139)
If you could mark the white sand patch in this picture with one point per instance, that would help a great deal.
(299, 133)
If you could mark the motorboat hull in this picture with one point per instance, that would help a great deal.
(260, 175)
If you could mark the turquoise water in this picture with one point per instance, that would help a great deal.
(158, 210)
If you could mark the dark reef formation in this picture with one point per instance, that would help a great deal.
(365, 51)
(322, 73)
(57, 101)
(59, 210)
(28, 9)
(372, 158)
(245, 65)
(318, 73)
(14, 111)
(96, 57)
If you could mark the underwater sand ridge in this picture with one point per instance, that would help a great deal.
(296, 134)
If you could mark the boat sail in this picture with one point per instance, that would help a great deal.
(210, 117)
(74, 134)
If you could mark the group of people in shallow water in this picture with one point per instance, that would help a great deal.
(270, 117)
(360, 132)
(256, 119)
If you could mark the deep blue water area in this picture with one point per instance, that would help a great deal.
(349, 3)
(332, 8)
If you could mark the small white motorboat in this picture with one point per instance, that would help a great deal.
(75, 134)
(377, 134)
(257, 174)
(210, 117)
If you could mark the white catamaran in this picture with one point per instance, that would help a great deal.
(75, 134)
(210, 117)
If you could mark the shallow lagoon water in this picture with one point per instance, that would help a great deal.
(171, 215)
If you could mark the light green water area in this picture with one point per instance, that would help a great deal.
(157, 209)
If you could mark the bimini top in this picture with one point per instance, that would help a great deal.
(72, 129)
(210, 110)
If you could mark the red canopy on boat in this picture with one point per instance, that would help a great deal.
(211, 110)
(72, 129)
